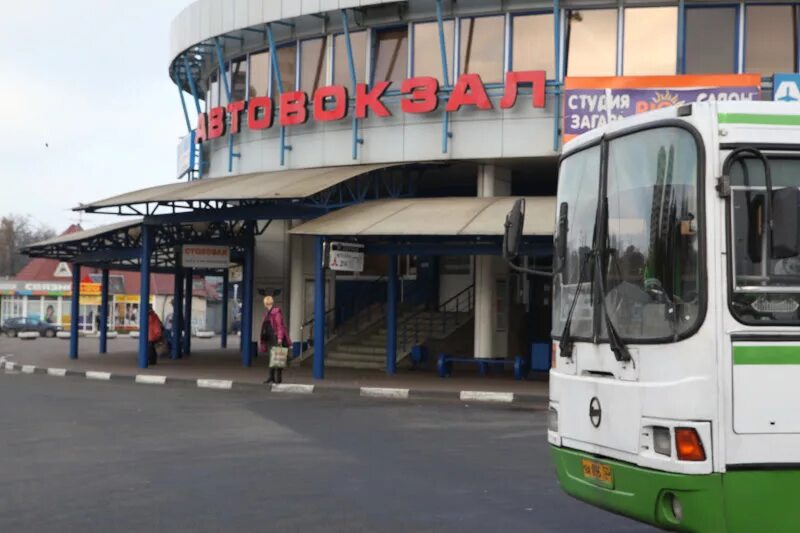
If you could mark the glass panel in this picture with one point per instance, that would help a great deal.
(482, 41)
(238, 80)
(427, 50)
(534, 46)
(710, 40)
(341, 66)
(578, 185)
(259, 74)
(391, 56)
(287, 64)
(770, 39)
(212, 97)
(651, 41)
(652, 270)
(592, 44)
(313, 65)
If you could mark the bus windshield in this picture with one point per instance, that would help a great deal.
(649, 283)
(766, 289)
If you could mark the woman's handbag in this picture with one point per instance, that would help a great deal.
(278, 357)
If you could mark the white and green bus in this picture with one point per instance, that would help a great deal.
(675, 382)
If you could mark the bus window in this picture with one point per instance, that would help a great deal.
(765, 286)
(652, 267)
(579, 179)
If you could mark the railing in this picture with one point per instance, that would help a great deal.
(427, 323)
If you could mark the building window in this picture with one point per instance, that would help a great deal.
(482, 40)
(533, 44)
(212, 96)
(341, 63)
(238, 79)
(651, 41)
(313, 64)
(710, 40)
(770, 39)
(592, 42)
(390, 56)
(427, 50)
(287, 64)
(259, 74)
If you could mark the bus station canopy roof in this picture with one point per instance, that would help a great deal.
(451, 216)
(278, 185)
(78, 237)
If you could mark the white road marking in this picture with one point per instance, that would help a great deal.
(384, 392)
(483, 396)
(222, 384)
(293, 388)
(57, 372)
(93, 374)
(150, 380)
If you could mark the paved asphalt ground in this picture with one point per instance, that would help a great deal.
(77, 455)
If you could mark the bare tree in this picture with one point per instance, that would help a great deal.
(16, 232)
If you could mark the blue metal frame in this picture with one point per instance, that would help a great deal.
(183, 101)
(559, 74)
(223, 74)
(177, 314)
(104, 310)
(353, 79)
(391, 316)
(446, 134)
(144, 295)
(223, 338)
(276, 71)
(187, 312)
(247, 299)
(74, 311)
(193, 87)
(318, 367)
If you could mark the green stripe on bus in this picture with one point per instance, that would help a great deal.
(768, 120)
(766, 355)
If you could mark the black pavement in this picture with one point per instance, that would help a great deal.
(101, 456)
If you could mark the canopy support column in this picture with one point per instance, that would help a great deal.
(187, 313)
(247, 297)
(144, 294)
(177, 314)
(223, 342)
(391, 316)
(319, 309)
(296, 293)
(104, 311)
(74, 311)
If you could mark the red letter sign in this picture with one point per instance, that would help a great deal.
(293, 110)
(339, 95)
(234, 108)
(469, 90)
(256, 120)
(424, 95)
(513, 79)
(202, 126)
(216, 122)
(371, 99)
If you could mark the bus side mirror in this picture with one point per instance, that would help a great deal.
(561, 235)
(512, 235)
(786, 223)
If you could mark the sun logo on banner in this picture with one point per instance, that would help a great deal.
(659, 101)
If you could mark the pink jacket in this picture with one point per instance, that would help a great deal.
(278, 326)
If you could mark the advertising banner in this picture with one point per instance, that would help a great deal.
(593, 102)
(186, 154)
(786, 88)
(346, 257)
(206, 256)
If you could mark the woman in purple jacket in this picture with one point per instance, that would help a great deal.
(273, 333)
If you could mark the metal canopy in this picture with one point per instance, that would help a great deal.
(432, 217)
(233, 191)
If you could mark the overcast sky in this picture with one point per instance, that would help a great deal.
(90, 79)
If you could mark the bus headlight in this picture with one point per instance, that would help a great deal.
(552, 420)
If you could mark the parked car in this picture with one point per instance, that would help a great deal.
(12, 326)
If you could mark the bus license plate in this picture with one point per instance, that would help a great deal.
(598, 472)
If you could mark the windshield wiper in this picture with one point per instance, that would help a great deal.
(567, 345)
(615, 342)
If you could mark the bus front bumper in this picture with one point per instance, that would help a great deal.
(746, 500)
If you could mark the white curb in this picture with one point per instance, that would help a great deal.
(384, 392)
(150, 380)
(222, 384)
(57, 372)
(102, 376)
(9, 366)
(28, 369)
(293, 388)
(483, 396)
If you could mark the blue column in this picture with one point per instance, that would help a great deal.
(104, 311)
(391, 316)
(177, 314)
(224, 335)
(247, 299)
(187, 313)
(319, 310)
(144, 293)
(74, 311)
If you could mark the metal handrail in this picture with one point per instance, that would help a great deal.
(409, 328)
